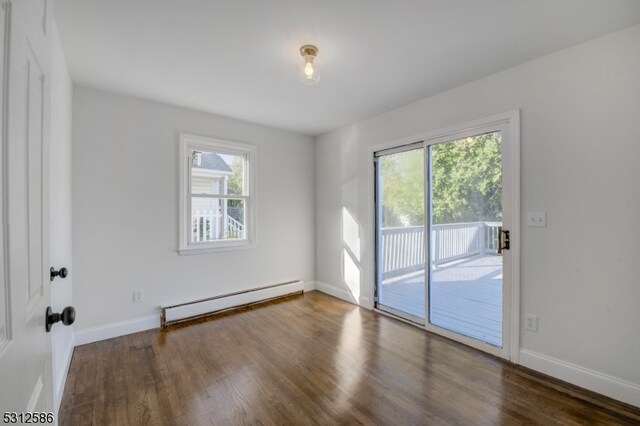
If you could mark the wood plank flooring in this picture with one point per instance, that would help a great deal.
(313, 359)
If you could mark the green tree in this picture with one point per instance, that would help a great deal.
(466, 183)
(236, 180)
(467, 180)
(235, 186)
(402, 186)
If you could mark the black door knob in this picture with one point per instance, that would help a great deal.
(68, 316)
(62, 273)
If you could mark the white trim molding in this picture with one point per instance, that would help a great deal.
(188, 143)
(122, 328)
(595, 381)
(116, 329)
(5, 311)
(342, 293)
(309, 286)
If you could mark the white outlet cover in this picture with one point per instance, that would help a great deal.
(537, 219)
(138, 296)
(531, 322)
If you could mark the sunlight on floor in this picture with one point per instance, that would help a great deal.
(350, 357)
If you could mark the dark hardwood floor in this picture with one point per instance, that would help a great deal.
(313, 360)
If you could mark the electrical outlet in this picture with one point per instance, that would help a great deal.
(531, 322)
(537, 219)
(138, 295)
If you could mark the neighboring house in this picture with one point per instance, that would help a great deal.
(209, 175)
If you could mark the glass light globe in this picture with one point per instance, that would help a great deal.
(309, 73)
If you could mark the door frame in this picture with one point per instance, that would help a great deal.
(509, 123)
(405, 316)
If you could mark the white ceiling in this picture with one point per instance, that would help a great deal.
(240, 58)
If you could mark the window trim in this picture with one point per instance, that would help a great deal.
(189, 142)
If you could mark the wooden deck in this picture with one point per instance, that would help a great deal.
(466, 297)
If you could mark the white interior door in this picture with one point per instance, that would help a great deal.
(25, 346)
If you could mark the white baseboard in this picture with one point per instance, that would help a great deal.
(595, 381)
(122, 328)
(309, 285)
(116, 329)
(342, 293)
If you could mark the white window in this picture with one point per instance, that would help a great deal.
(217, 195)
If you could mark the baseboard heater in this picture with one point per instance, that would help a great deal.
(173, 314)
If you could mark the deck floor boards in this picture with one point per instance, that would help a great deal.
(466, 297)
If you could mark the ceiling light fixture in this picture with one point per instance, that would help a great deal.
(309, 74)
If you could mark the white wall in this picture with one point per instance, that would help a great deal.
(580, 148)
(125, 208)
(60, 209)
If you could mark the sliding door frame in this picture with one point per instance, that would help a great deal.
(509, 125)
(379, 307)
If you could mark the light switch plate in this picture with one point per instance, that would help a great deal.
(537, 219)
(138, 295)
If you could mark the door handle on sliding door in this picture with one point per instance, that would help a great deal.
(504, 243)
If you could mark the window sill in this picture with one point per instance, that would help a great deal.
(188, 251)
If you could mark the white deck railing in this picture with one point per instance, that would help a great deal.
(206, 225)
(403, 247)
(235, 229)
(402, 250)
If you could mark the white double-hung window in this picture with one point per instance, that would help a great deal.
(217, 194)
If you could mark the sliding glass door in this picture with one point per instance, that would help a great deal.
(442, 218)
(465, 275)
(400, 232)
